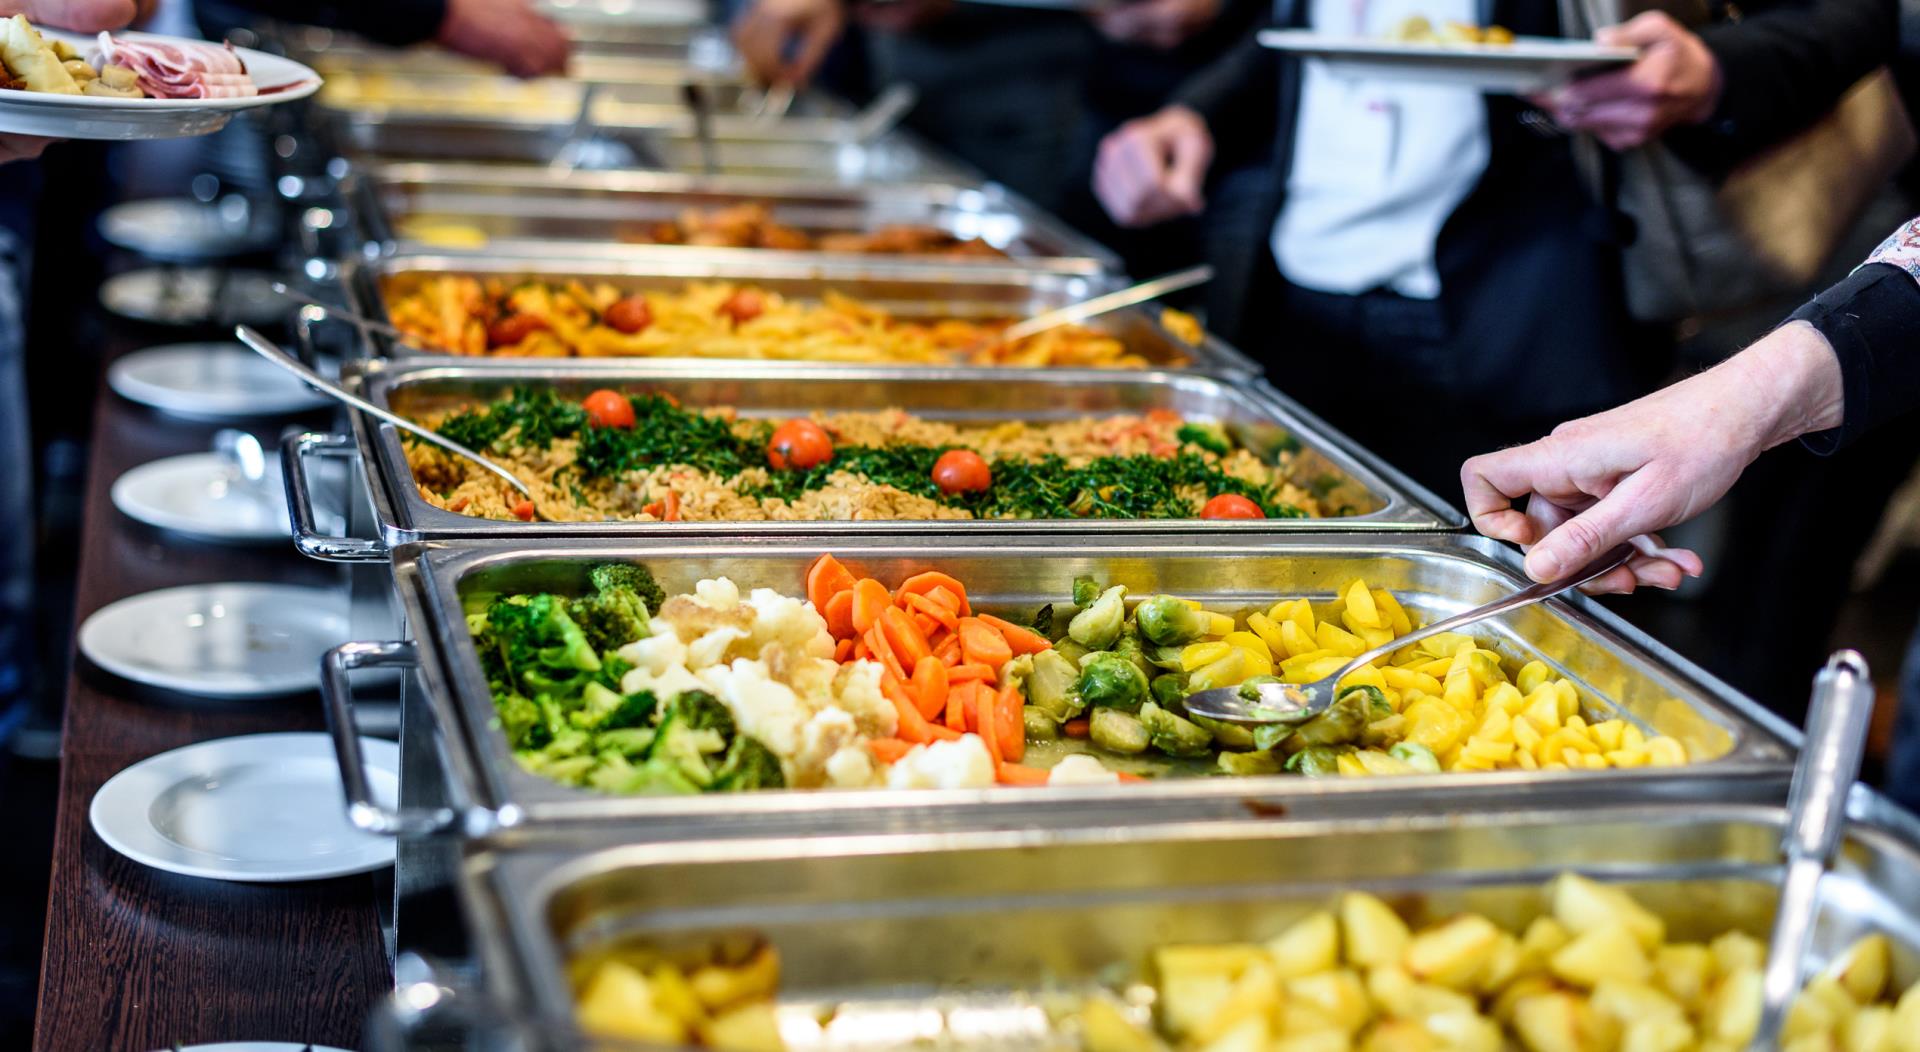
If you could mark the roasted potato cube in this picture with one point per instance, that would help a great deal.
(1104, 1027)
(746, 1028)
(1375, 935)
(1732, 1011)
(1339, 996)
(1608, 952)
(619, 1001)
(1583, 905)
(1310, 945)
(1252, 1035)
(1657, 1034)
(1453, 954)
(1551, 1022)
(1862, 968)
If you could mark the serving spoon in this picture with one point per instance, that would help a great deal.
(1259, 703)
(351, 317)
(1078, 312)
(278, 355)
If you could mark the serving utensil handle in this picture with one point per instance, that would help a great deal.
(311, 541)
(336, 694)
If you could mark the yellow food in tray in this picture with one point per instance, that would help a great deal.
(1597, 971)
(31, 62)
(716, 319)
(1417, 29)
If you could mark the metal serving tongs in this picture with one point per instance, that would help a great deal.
(698, 104)
(1293, 703)
(586, 148)
(1816, 818)
(352, 317)
(278, 355)
(1073, 313)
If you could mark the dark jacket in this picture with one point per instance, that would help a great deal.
(1529, 262)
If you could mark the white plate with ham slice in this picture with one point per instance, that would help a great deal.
(195, 87)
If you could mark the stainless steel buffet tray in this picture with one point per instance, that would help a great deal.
(524, 209)
(1619, 671)
(660, 138)
(960, 940)
(626, 92)
(1380, 499)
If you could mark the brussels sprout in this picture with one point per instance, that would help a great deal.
(1111, 682)
(1040, 724)
(1053, 686)
(1173, 735)
(1319, 761)
(1341, 723)
(1166, 658)
(1245, 764)
(1072, 651)
(1168, 690)
(1377, 707)
(1043, 621)
(1166, 621)
(1250, 687)
(1085, 591)
(1117, 731)
(1226, 735)
(1098, 626)
(1128, 646)
(1416, 756)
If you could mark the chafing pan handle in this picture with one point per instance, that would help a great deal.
(294, 451)
(337, 694)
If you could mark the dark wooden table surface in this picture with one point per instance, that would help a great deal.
(138, 959)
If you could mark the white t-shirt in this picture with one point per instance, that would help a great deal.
(1378, 166)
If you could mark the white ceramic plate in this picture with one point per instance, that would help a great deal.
(219, 640)
(183, 229)
(210, 381)
(253, 1046)
(261, 807)
(89, 117)
(203, 495)
(215, 296)
(1528, 64)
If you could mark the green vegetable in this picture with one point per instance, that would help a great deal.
(1098, 626)
(1343, 722)
(1173, 735)
(1166, 621)
(749, 765)
(1085, 591)
(1207, 436)
(1165, 658)
(1168, 690)
(1318, 761)
(1128, 646)
(1246, 764)
(1053, 686)
(1226, 735)
(1417, 756)
(1108, 681)
(1072, 651)
(1250, 687)
(1043, 621)
(1376, 702)
(1117, 731)
(1039, 723)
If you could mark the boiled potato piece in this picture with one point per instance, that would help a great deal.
(619, 1001)
(1583, 905)
(719, 986)
(1252, 1035)
(1104, 1027)
(1399, 1035)
(1315, 1041)
(1311, 945)
(1906, 1021)
(1862, 968)
(1551, 1022)
(748, 1028)
(1189, 1000)
(1661, 1034)
(1607, 952)
(1256, 994)
(1737, 951)
(1453, 954)
(1375, 935)
(1870, 1030)
(1733, 1009)
(1338, 996)
(1685, 970)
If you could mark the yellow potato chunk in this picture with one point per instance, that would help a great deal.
(1609, 952)
(1453, 954)
(1375, 935)
(1104, 1027)
(1310, 945)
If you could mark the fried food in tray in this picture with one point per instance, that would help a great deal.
(752, 225)
(717, 319)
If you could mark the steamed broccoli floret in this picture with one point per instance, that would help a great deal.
(611, 619)
(628, 577)
(535, 635)
(520, 719)
(602, 709)
(749, 765)
(702, 712)
(683, 748)
(626, 741)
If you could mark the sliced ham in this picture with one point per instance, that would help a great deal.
(184, 69)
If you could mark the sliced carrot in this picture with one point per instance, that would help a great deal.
(843, 650)
(877, 642)
(1020, 640)
(913, 726)
(1007, 718)
(929, 686)
(964, 673)
(950, 599)
(671, 512)
(925, 583)
(1020, 774)
(860, 651)
(927, 626)
(825, 578)
(838, 613)
(1127, 777)
(983, 644)
(932, 608)
(948, 650)
(969, 694)
(945, 734)
(523, 511)
(869, 598)
(988, 728)
(1077, 728)
(956, 707)
(905, 639)
(888, 750)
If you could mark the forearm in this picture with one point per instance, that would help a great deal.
(1872, 322)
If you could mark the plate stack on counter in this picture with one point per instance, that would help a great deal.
(813, 676)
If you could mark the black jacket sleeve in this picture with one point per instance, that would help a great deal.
(1238, 96)
(396, 22)
(1872, 319)
(1782, 67)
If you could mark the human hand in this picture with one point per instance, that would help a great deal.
(509, 33)
(21, 147)
(79, 16)
(1160, 24)
(1653, 463)
(1152, 169)
(765, 30)
(1676, 81)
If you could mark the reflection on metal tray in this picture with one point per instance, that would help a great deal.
(637, 93)
(522, 210)
(959, 941)
(801, 148)
(1618, 671)
(1260, 419)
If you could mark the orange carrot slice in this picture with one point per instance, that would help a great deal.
(888, 750)
(904, 638)
(1077, 728)
(913, 727)
(988, 728)
(843, 650)
(869, 598)
(877, 642)
(948, 598)
(825, 578)
(929, 687)
(1020, 640)
(926, 583)
(964, 673)
(1007, 718)
(838, 613)
(956, 706)
(940, 612)
(983, 644)
(1019, 774)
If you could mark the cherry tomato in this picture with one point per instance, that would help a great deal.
(799, 444)
(961, 471)
(513, 328)
(608, 409)
(1231, 506)
(629, 315)
(744, 305)
(524, 511)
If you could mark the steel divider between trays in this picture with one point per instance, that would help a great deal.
(1750, 757)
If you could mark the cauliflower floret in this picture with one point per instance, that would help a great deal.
(1081, 769)
(764, 708)
(711, 648)
(656, 654)
(851, 768)
(830, 730)
(717, 593)
(793, 622)
(856, 687)
(675, 680)
(962, 764)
